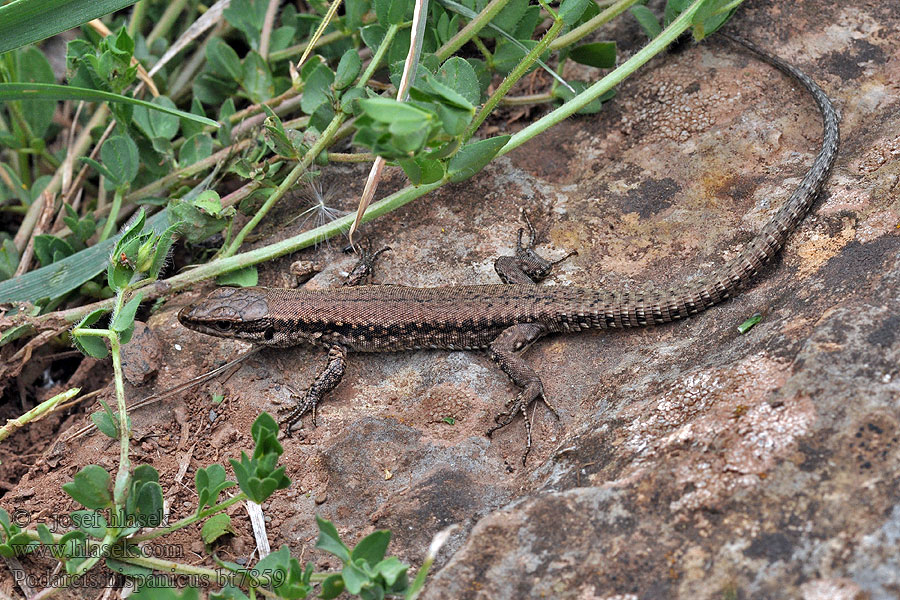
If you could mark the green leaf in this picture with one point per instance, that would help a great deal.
(422, 170)
(91, 345)
(347, 69)
(195, 148)
(276, 137)
(330, 541)
(457, 74)
(210, 482)
(316, 89)
(601, 55)
(355, 578)
(145, 500)
(372, 547)
(472, 157)
(391, 12)
(332, 587)
(392, 571)
(25, 22)
(157, 124)
(247, 17)
(257, 79)
(189, 128)
(106, 421)
(49, 249)
(506, 20)
(508, 54)
(120, 155)
(647, 20)
(33, 67)
(196, 224)
(102, 169)
(225, 113)
(90, 487)
(571, 10)
(47, 91)
(215, 527)
(223, 60)
(45, 535)
(246, 277)
(91, 522)
(125, 318)
(749, 323)
(372, 35)
(709, 17)
(9, 258)
(387, 110)
(161, 251)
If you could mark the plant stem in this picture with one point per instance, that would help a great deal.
(289, 181)
(656, 45)
(169, 16)
(590, 26)
(137, 16)
(472, 27)
(110, 224)
(188, 520)
(526, 100)
(514, 76)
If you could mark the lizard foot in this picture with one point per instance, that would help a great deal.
(519, 405)
(527, 266)
(362, 271)
(305, 403)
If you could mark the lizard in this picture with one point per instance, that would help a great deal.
(505, 319)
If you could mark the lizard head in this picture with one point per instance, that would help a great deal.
(240, 313)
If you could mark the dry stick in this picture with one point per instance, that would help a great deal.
(58, 229)
(266, 33)
(409, 70)
(43, 222)
(53, 186)
(154, 398)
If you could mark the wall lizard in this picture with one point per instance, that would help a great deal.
(503, 318)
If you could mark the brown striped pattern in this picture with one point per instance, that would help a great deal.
(389, 318)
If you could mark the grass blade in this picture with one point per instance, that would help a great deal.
(27, 21)
(52, 91)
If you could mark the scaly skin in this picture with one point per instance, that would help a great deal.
(504, 318)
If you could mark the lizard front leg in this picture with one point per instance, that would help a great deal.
(331, 376)
(324, 383)
(504, 350)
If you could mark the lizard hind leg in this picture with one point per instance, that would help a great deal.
(527, 266)
(505, 351)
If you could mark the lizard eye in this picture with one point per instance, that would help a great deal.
(222, 325)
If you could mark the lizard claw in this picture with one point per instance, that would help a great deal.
(519, 405)
(363, 269)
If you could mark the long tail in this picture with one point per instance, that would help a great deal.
(632, 309)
